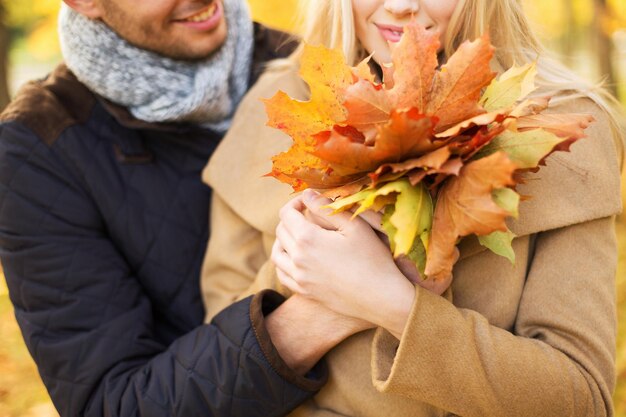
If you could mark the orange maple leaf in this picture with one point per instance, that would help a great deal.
(358, 134)
(328, 76)
(464, 207)
(414, 63)
(300, 169)
(457, 86)
(407, 134)
(430, 163)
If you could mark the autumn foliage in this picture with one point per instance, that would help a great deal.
(437, 149)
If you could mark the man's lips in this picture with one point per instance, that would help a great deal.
(391, 33)
(207, 18)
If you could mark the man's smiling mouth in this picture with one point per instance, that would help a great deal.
(202, 15)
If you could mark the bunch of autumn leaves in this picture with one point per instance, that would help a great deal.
(437, 151)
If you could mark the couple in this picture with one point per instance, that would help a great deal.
(104, 228)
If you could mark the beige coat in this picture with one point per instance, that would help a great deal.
(534, 339)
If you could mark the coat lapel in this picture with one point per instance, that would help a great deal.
(237, 168)
(576, 186)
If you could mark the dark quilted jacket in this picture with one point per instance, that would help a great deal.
(103, 226)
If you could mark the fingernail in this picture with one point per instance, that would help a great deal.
(308, 196)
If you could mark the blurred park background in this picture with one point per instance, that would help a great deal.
(588, 35)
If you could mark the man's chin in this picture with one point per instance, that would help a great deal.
(198, 47)
(183, 51)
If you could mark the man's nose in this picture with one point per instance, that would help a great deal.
(402, 7)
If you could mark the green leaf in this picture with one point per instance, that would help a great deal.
(413, 215)
(409, 217)
(500, 244)
(390, 229)
(510, 87)
(507, 199)
(408, 214)
(417, 254)
(342, 204)
(380, 191)
(525, 149)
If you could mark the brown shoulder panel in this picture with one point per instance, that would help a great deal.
(50, 106)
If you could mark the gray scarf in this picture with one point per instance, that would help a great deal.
(156, 88)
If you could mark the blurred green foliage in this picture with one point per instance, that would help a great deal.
(32, 25)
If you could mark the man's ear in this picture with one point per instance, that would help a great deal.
(90, 8)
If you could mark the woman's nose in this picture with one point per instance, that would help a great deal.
(402, 7)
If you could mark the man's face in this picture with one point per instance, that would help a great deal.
(179, 29)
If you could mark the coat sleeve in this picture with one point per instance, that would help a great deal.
(89, 325)
(236, 263)
(557, 361)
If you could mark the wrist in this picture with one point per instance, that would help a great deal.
(339, 326)
(303, 331)
(279, 341)
(395, 307)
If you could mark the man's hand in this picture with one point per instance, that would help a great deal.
(303, 331)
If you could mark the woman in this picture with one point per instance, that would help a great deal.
(531, 339)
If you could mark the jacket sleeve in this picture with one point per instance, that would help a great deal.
(236, 264)
(557, 361)
(89, 325)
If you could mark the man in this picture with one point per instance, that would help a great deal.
(103, 220)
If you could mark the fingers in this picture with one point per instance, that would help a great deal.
(374, 219)
(281, 259)
(308, 214)
(436, 287)
(285, 268)
(408, 269)
(285, 239)
(316, 205)
(295, 204)
(288, 282)
(319, 216)
(321, 221)
(293, 220)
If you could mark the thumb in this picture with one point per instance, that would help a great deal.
(322, 215)
(374, 219)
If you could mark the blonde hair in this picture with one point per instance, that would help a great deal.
(516, 43)
(330, 23)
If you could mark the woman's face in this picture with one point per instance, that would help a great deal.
(379, 23)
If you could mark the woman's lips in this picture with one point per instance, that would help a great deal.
(391, 33)
(206, 19)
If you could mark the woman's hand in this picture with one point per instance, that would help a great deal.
(341, 264)
(404, 263)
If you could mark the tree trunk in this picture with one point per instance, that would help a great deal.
(604, 45)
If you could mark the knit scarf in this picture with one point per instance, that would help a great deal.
(153, 87)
